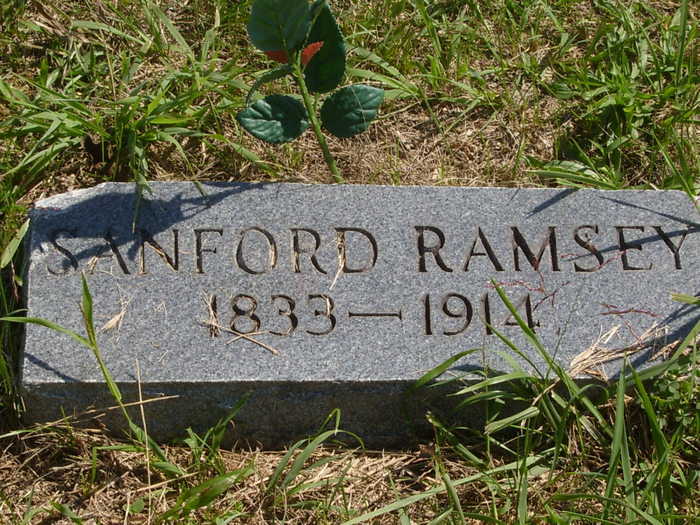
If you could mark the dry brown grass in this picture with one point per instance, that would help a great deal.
(56, 466)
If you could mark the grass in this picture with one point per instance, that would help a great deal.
(602, 94)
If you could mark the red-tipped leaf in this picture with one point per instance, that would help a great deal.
(278, 56)
(306, 55)
(309, 51)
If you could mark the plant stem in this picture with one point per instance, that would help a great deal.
(315, 124)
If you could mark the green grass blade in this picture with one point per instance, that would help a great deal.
(405, 502)
(309, 449)
(662, 450)
(522, 507)
(66, 511)
(457, 513)
(11, 248)
(203, 495)
(86, 309)
(497, 380)
(510, 344)
(439, 370)
(99, 26)
(48, 324)
(657, 370)
(603, 499)
(174, 32)
(680, 53)
(619, 436)
(523, 415)
(434, 38)
(282, 465)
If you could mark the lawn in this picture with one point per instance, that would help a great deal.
(531, 93)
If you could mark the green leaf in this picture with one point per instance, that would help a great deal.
(279, 24)
(274, 119)
(575, 174)
(326, 69)
(300, 460)
(169, 469)
(350, 110)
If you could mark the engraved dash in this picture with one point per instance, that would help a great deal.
(398, 315)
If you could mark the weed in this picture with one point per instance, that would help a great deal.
(10, 404)
(306, 38)
(542, 417)
(638, 84)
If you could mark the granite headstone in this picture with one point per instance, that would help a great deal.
(315, 297)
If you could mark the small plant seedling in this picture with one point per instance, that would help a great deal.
(305, 38)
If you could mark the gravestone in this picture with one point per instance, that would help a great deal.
(315, 297)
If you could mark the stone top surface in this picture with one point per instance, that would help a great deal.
(293, 282)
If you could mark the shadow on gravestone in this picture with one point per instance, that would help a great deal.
(556, 199)
(157, 215)
(651, 344)
(153, 213)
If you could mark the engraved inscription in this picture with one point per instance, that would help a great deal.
(247, 256)
(288, 313)
(626, 245)
(488, 252)
(244, 307)
(297, 249)
(583, 237)
(455, 314)
(326, 312)
(271, 249)
(521, 245)
(172, 259)
(258, 251)
(675, 249)
(200, 249)
(245, 315)
(433, 248)
(342, 240)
